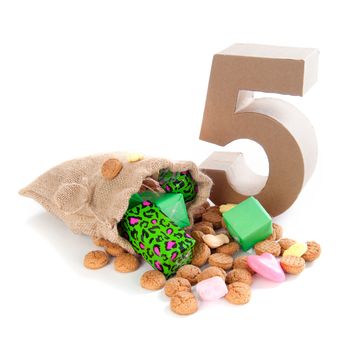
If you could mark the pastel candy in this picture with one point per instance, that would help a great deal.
(297, 249)
(212, 288)
(267, 266)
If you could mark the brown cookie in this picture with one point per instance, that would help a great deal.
(197, 235)
(175, 285)
(313, 251)
(213, 216)
(199, 225)
(210, 272)
(189, 272)
(113, 249)
(229, 248)
(285, 243)
(277, 231)
(152, 280)
(207, 230)
(292, 264)
(126, 263)
(100, 242)
(238, 293)
(111, 168)
(201, 253)
(267, 246)
(184, 303)
(221, 260)
(241, 262)
(239, 275)
(197, 213)
(96, 259)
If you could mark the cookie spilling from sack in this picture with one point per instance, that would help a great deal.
(215, 267)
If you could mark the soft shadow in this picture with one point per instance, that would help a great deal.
(73, 247)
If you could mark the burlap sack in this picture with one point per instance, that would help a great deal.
(77, 193)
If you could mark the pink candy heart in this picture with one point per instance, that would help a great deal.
(267, 266)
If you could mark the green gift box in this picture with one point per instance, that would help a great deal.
(248, 223)
(171, 204)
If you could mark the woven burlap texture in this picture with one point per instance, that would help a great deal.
(78, 194)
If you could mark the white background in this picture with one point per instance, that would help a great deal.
(83, 77)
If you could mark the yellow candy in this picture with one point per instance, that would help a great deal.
(297, 249)
(226, 207)
(135, 157)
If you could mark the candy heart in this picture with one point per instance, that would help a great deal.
(297, 249)
(267, 266)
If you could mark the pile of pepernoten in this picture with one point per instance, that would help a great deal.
(157, 225)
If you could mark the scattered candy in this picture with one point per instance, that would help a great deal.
(135, 157)
(215, 241)
(297, 249)
(225, 207)
(267, 266)
(201, 253)
(248, 223)
(211, 289)
(111, 168)
(285, 243)
(211, 272)
(229, 248)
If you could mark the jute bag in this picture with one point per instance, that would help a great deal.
(78, 194)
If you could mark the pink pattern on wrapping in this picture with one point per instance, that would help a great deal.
(173, 256)
(170, 245)
(158, 265)
(133, 221)
(156, 250)
(146, 203)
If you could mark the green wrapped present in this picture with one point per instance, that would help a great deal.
(178, 182)
(248, 223)
(171, 204)
(164, 245)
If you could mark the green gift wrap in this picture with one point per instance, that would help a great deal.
(171, 204)
(178, 182)
(164, 245)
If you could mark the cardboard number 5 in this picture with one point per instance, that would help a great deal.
(232, 113)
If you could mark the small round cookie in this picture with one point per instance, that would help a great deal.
(285, 243)
(214, 217)
(111, 168)
(152, 280)
(201, 253)
(175, 285)
(211, 271)
(100, 242)
(113, 249)
(238, 293)
(221, 260)
(96, 259)
(126, 263)
(292, 264)
(197, 213)
(207, 230)
(199, 225)
(267, 246)
(189, 272)
(241, 262)
(184, 303)
(197, 235)
(313, 251)
(229, 248)
(277, 231)
(239, 275)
